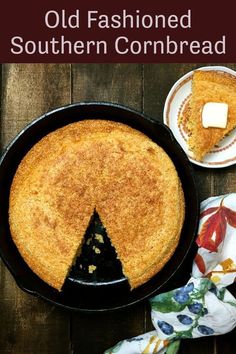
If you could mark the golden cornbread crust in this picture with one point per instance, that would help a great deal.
(210, 86)
(102, 165)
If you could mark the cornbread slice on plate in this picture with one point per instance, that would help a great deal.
(104, 166)
(209, 86)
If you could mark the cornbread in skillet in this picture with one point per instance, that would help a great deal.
(209, 86)
(104, 166)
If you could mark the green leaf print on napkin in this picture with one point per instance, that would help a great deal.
(165, 303)
(173, 347)
(173, 301)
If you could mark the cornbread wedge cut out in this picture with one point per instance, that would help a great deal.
(209, 86)
(104, 166)
(101, 255)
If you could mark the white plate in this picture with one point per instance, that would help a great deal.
(221, 156)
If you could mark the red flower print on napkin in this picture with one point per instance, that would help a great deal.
(200, 263)
(214, 228)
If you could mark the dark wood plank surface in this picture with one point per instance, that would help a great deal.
(28, 324)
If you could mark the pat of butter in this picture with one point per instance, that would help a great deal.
(215, 115)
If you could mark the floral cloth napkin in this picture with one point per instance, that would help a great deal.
(203, 306)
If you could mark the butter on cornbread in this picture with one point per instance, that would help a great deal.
(215, 115)
(209, 87)
(104, 166)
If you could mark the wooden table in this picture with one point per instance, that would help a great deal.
(28, 324)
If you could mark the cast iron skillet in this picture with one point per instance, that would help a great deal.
(91, 292)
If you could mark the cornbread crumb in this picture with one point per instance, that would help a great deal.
(96, 250)
(91, 268)
(99, 237)
(88, 241)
